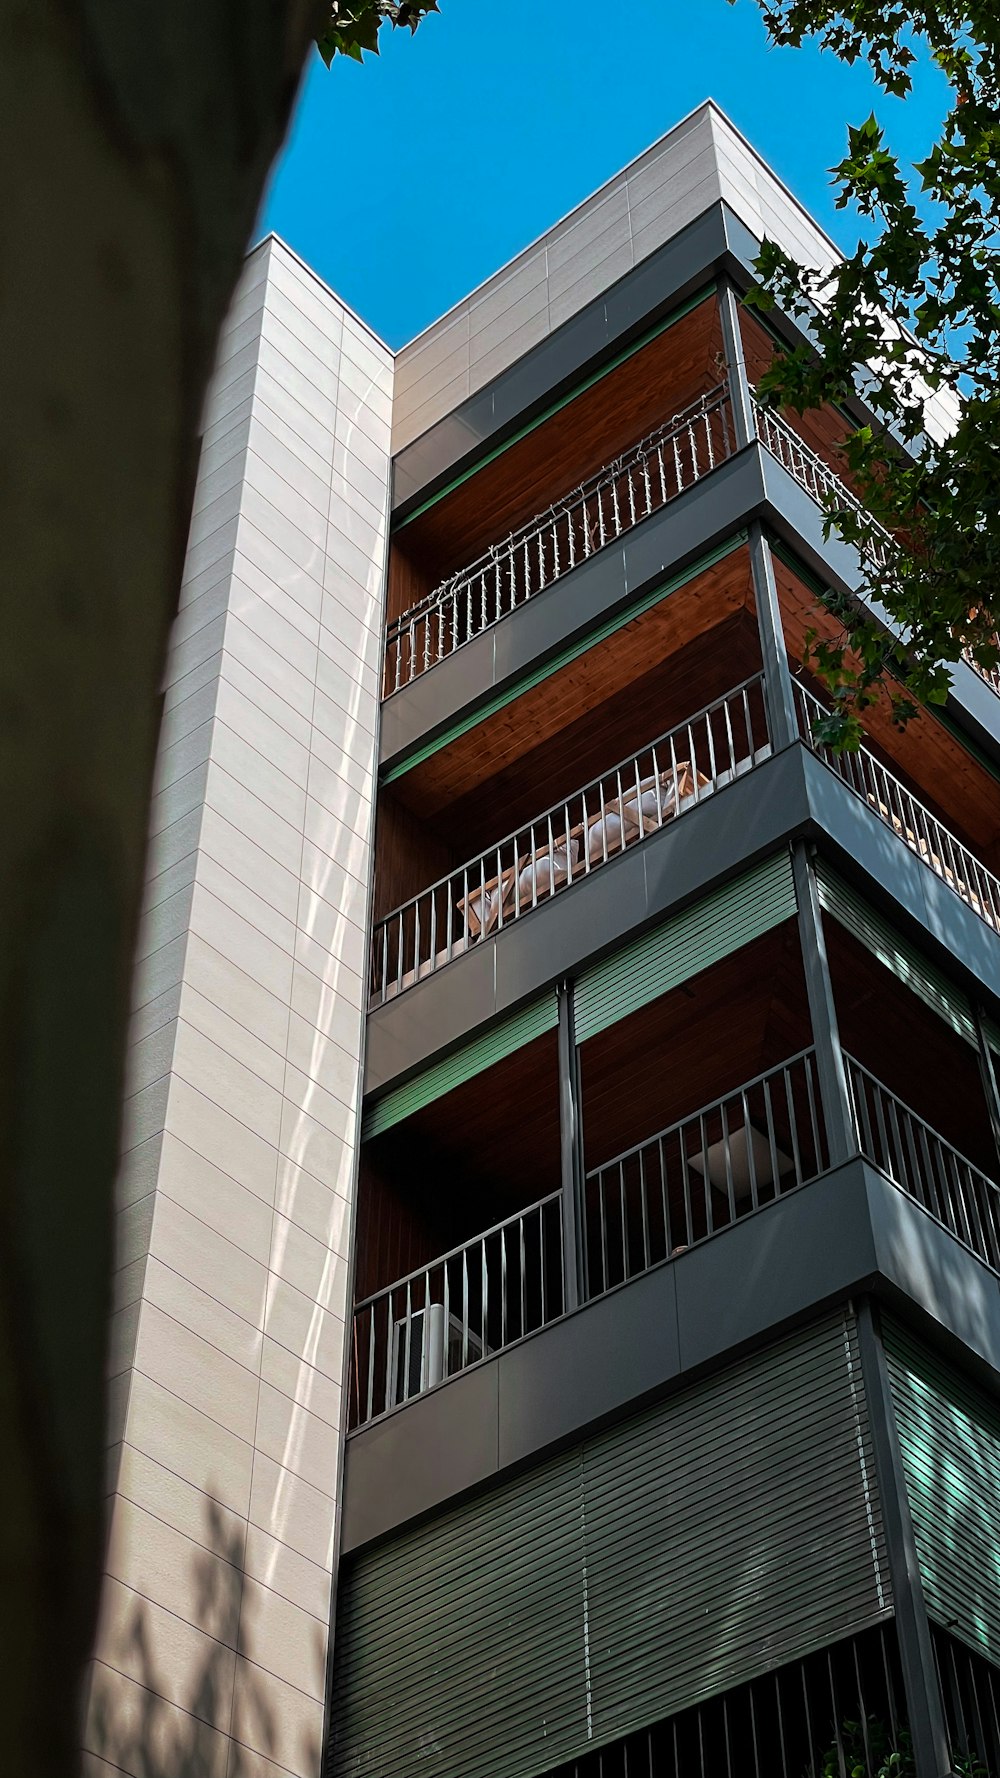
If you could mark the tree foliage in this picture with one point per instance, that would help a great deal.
(913, 312)
(352, 26)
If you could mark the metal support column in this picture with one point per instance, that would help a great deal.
(833, 1085)
(736, 365)
(989, 1078)
(774, 656)
(924, 1703)
(571, 1152)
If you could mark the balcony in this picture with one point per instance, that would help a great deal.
(570, 840)
(685, 1185)
(664, 1165)
(830, 492)
(645, 478)
(907, 817)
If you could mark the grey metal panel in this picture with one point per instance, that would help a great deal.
(731, 1528)
(552, 367)
(455, 1434)
(866, 845)
(767, 1269)
(626, 1341)
(949, 1434)
(920, 1263)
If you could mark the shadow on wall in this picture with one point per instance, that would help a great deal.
(216, 1722)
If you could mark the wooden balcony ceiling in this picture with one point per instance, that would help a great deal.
(595, 427)
(574, 702)
(705, 1038)
(823, 428)
(925, 755)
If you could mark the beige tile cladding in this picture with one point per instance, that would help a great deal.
(698, 162)
(241, 1116)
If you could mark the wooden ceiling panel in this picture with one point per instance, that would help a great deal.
(928, 758)
(576, 691)
(617, 411)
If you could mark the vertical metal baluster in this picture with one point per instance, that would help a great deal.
(465, 1307)
(647, 485)
(412, 656)
(631, 494)
(713, 769)
(555, 553)
(626, 1270)
(727, 1152)
(818, 1136)
(601, 527)
(615, 509)
(751, 1161)
(678, 470)
(793, 1130)
(730, 742)
(663, 472)
(485, 1305)
(693, 446)
(706, 422)
(503, 1285)
(527, 570)
(541, 1257)
(446, 1294)
(657, 785)
(408, 1323)
(664, 1197)
(371, 1362)
(399, 950)
(521, 1256)
(693, 756)
(644, 1203)
(390, 1330)
(709, 1216)
(603, 1215)
(416, 940)
(433, 931)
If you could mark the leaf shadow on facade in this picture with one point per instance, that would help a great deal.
(221, 1722)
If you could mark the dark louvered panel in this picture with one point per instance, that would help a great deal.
(711, 1538)
(461, 1645)
(745, 1517)
(949, 1433)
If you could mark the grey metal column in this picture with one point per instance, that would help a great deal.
(989, 1078)
(571, 1152)
(777, 678)
(736, 364)
(925, 1706)
(834, 1090)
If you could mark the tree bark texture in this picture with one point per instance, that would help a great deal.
(134, 144)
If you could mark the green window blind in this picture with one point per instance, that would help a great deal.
(895, 952)
(691, 941)
(949, 1433)
(729, 1529)
(434, 1082)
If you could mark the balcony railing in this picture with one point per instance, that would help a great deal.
(925, 1166)
(833, 494)
(921, 831)
(461, 1308)
(571, 839)
(702, 1174)
(652, 473)
(821, 482)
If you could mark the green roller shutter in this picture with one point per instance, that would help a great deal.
(905, 961)
(671, 953)
(433, 1083)
(724, 1532)
(949, 1433)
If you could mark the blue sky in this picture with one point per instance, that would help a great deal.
(409, 180)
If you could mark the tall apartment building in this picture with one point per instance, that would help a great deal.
(559, 1229)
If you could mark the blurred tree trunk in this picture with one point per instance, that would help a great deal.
(134, 144)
